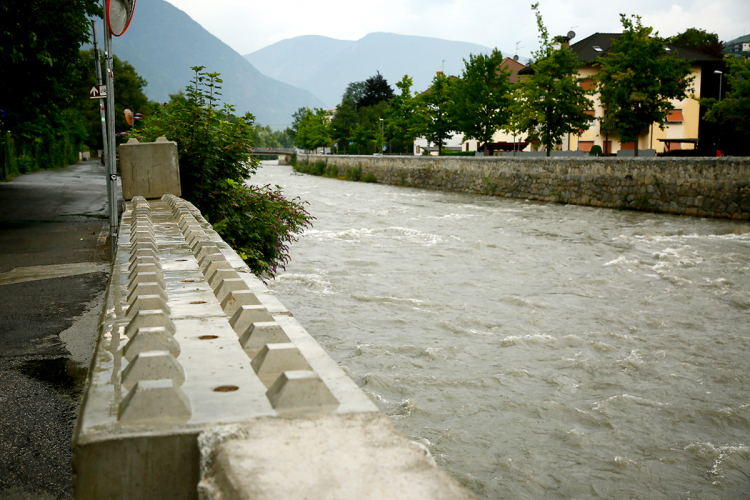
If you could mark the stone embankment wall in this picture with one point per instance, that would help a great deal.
(704, 187)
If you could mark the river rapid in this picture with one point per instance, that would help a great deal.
(538, 350)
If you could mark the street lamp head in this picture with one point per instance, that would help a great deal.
(718, 72)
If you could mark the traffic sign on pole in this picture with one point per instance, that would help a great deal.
(98, 92)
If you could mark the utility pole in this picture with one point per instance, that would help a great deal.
(105, 142)
(111, 157)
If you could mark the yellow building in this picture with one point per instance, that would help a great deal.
(682, 128)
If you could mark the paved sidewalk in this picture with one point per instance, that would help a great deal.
(54, 265)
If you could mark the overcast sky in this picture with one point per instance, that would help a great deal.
(247, 26)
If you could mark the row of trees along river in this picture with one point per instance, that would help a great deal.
(635, 82)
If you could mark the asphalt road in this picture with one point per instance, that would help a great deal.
(54, 266)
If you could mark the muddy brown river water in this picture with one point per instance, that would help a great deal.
(538, 350)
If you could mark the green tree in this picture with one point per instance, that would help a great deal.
(700, 41)
(343, 123)
(376, 90)
(314, 130)
(403, 119)
(637, 79)
(214, 150)
(435, 105)
(481, 103)
(550, 103)
(354, 92)
(40, 59)
(733, 110)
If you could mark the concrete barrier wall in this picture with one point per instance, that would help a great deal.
(704, 187)
(191, 342)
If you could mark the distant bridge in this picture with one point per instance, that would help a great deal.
(284, 154)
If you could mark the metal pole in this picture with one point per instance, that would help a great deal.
(112, 157)
(102, 114)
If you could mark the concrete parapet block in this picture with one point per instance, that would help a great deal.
(147, 302)
(149, 318)
(151, 339)
(212, 267)
(229, 285)
(246, 316)
(300, 390)
(149, 169)
(220, 274)
(193, 238)
(136, 260)
(200, 244)
(145, 277)
(153, 288)
(155, 400)
(140, 253)
(145, 245)
(261, 333)
(275, 359)
(211, 257)
(233, 300)
(206, 250)
(152, 268)
(152, 365)
(334, 456)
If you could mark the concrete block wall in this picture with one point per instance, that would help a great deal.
(703, 187)
(189, 342)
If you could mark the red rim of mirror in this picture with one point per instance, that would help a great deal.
(120, 17)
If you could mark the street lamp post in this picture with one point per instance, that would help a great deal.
(721, 77)
(382, 134)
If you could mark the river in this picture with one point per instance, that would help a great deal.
(538, 350)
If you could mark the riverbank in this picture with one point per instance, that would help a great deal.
(703, 187)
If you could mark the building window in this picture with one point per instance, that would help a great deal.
(587, 84)
(585, 145)
(628, 146)
(675, 116)
(591, 113)
(607, 147)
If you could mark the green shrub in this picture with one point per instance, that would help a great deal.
(331, 171)
(369, 177)
(214, 151)
(354, 173)
(596, 150)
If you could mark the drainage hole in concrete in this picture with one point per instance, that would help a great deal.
(187, 281)
(208, 337)
(199, 302)
(226, 388)
(181, 260)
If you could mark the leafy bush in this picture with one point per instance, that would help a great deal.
(353, 173)
(214, 149)
(369, 177)
(596, 150)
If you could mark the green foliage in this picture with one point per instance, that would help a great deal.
(550, 103)
(596, 150)
(404, 119)
(39, 59)
(314, 130)
(637, 79)
(435, 105)
(353, 173)
(481, 99)
(732, 112)
(376, 90)
(369, 177)
(700, 41)
(214, 151)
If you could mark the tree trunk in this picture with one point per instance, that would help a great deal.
(636, 147)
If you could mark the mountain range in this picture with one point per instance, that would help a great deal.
(325, 66)
(163, 43)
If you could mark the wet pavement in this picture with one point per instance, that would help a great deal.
(54, 256)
